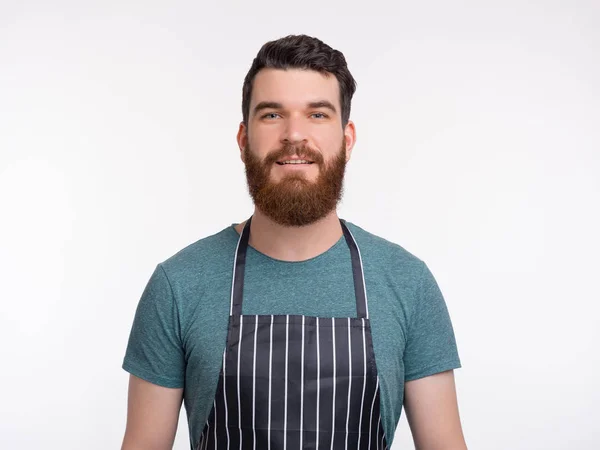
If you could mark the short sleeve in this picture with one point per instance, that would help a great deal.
(431, 344)
(154, 351)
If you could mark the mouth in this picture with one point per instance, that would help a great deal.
(295, 161)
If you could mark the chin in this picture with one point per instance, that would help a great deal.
(293, 177)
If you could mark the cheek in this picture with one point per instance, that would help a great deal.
(330, 145)
(262, 141)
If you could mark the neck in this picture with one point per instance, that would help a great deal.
(292, 243)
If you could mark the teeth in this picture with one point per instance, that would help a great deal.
(296, 161)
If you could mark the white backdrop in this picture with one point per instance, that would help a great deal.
(478, 151)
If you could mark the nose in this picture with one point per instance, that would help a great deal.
(295, 130)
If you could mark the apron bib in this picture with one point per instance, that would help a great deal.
(296, 382)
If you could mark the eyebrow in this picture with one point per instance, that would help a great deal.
(275, 105)
(267, 105)
(323, 104)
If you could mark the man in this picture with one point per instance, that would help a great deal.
(293, 329)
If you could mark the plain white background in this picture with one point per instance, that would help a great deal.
(478, 151)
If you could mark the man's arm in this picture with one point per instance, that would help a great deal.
(432, 412)
(152, 416)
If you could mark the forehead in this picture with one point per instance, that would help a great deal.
(294, 87)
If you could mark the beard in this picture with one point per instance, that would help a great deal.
(295, 200)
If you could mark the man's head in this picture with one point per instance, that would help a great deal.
(296, 136)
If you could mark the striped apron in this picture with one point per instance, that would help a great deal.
(296, 382)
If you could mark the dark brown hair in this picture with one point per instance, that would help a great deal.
(301, 52)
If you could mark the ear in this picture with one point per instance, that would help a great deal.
(242, 139)
(350, 138)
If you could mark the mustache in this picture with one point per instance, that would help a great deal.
(303, 152)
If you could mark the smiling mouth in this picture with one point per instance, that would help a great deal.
(294, 161)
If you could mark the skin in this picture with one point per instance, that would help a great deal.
(430, 402)
(152, 416)
(432, 413)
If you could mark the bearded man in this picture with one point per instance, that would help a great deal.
(293, 329)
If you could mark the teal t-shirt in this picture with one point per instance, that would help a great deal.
(180, 328)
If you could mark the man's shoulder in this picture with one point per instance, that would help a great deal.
(208, 255)
(383, 254)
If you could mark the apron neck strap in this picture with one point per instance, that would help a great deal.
(239, 266)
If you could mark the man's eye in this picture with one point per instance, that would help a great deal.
(319, 115)
(270, 116)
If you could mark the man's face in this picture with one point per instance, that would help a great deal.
(294, 147)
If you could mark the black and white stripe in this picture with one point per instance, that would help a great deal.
(298, 396)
